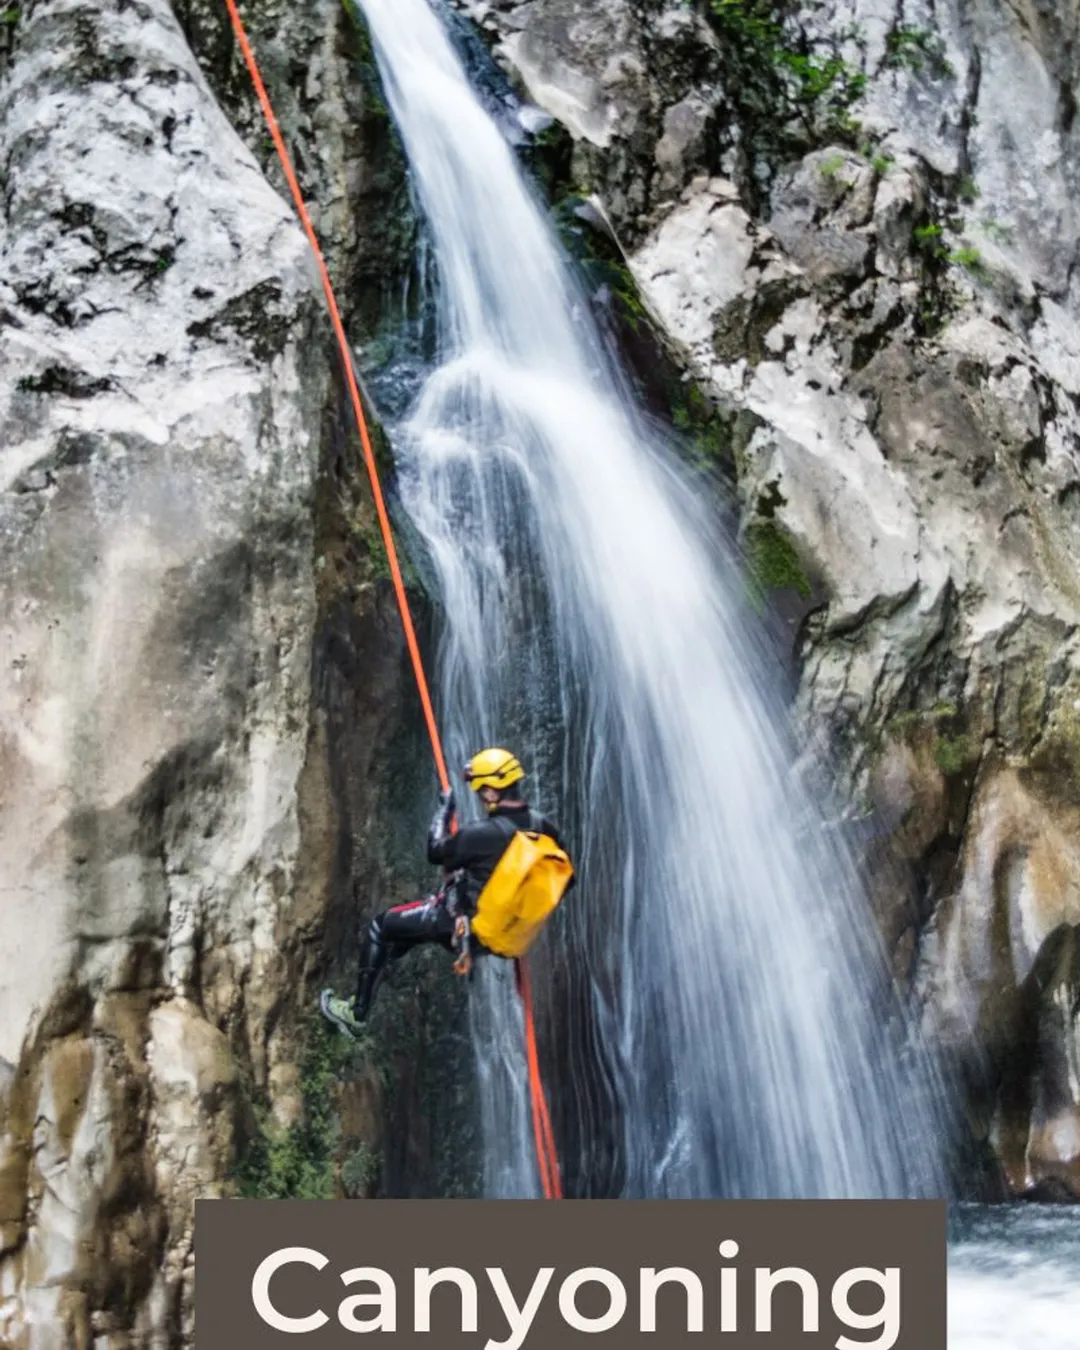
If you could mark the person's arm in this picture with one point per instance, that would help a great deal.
(454, 851)
(440, 840)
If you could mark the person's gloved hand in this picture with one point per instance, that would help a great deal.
(447, 808)
(442, 820)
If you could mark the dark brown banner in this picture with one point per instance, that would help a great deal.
(533, 1275)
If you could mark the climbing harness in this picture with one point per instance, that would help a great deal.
(546, 1157)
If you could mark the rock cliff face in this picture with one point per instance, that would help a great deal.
(201, 665)
(873, 278)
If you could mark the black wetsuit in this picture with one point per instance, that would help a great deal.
(468, 857)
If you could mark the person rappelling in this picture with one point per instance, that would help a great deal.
(503, 877)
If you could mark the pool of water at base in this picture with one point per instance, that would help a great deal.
(1014, 1277)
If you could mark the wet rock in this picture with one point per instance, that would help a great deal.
(1005, 995)
(1053, 1151)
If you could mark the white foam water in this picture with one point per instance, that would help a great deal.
(1013, 1279)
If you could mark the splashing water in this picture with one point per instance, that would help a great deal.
(715, 994)
(1012, 1278)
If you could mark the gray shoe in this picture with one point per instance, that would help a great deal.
(340, 1012)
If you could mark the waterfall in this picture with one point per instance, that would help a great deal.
(716, 1006)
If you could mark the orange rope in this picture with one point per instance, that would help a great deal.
(546, 1156)
(545, 1139)
(354, 391)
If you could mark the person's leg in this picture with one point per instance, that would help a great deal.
(407, 926)
(394, 933)
(390, 936)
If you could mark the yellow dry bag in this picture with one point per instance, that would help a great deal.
(527, 884)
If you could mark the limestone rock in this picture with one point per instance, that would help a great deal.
(164, 387)
(579, 62)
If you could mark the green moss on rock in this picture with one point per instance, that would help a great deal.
(706, 433)
(1054, 768)
(790, 92)
(297, 1162)
(363, 54)
(903, 726)
(773, 559)
(953, 754)
(360, 1170)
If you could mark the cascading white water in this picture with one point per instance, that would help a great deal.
(714, 986)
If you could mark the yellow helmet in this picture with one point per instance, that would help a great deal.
(493, 768)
